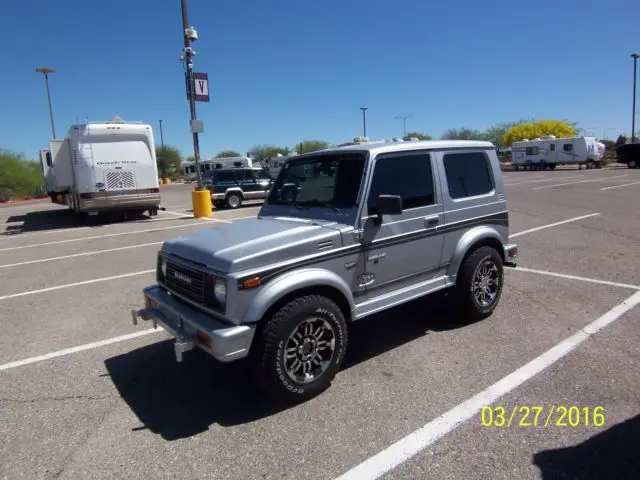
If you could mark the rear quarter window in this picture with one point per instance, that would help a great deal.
(468, 174)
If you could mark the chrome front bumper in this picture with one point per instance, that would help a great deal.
(510, 254)
(118, 202)
(192, 328)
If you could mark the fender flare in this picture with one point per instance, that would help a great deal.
(468, 240)
(290, 282)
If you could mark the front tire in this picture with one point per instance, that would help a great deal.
(234, 200)
(479, 284)
(302, 347)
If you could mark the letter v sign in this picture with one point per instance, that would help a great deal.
(201, 87)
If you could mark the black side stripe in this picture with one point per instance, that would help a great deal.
(268, 274)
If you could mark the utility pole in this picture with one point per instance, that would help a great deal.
(633, 116)
(364, 120)
(188, 63)
(404, 121)
(161, 136)
(46, 71)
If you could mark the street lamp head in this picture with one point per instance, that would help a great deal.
(46, 70)
(635, 55)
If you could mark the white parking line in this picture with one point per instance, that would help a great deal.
(575, 277)
(581, 181)
(539, 181)
(84, 254)
(106, 235)
(414, 443)
(210, 219)
(68, 285)
(542, 227)
(80, 348)
(620, 186)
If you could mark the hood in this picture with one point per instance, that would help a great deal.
(255, 242)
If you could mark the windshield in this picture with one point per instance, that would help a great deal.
(331, 180)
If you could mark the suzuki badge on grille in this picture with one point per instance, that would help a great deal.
(182, 277)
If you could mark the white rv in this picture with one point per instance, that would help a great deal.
(103, 166)
(189, 168)
(550, 151)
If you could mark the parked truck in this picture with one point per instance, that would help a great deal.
(103, 166)
(549, 151)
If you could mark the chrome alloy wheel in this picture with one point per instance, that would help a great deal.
(485, 283)
(309, 350)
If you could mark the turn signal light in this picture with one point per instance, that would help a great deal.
(251, 282)
(203, 338)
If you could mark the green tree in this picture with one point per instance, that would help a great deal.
(190, 159)
(19, 178)
(262, 153)
(307, 146)
(419, 136)
(228, 153)
(558, 128)
(169, 162)
(621, 140)
(463, 134)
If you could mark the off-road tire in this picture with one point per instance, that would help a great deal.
(469, 309)
(267, 358)
(234, 203)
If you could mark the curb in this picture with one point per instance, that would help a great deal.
(17, 202)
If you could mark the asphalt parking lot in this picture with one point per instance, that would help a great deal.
(85, 394)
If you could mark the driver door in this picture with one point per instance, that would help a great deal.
(405, 249)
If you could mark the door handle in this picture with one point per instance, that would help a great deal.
(431, 221)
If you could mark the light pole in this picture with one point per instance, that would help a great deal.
(364, 120)
(404, 121)
(188, 64)
(633, 116)
(161, 136)
(46, 71)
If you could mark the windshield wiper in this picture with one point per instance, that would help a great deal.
(316, 202)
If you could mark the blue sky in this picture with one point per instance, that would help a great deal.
(283, 71)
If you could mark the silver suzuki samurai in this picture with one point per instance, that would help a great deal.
(344, 233)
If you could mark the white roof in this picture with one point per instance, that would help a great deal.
(391, 146)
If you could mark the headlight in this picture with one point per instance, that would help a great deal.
(220, 290)
(163, 267)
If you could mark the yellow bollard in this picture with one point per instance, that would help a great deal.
(201, 200)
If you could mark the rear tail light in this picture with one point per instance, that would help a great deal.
(212, 190)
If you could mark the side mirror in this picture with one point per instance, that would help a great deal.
(389, 205)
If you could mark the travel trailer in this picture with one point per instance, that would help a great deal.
(549, 151)
(189, 168)
(103, 166)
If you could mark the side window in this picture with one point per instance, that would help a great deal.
(568, 147)
(263, 174)
(553, 147)
(409, 176)
(244, 175)
(49, 161)
(227, 176)
(532, 150)
(468, 174)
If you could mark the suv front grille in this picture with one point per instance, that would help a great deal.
(186, 282)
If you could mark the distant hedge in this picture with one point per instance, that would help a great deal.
(20, 179)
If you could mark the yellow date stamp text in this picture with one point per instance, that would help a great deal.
(542, 416)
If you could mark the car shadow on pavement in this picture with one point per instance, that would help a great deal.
(181, 400)
(41, 221)
(612, 454)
